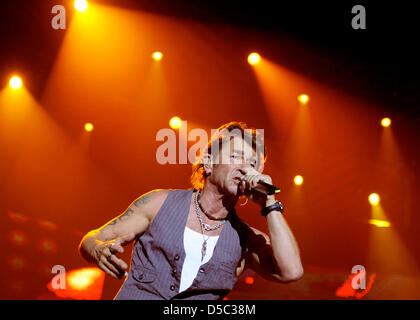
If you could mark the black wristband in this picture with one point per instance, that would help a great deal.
(276, 206)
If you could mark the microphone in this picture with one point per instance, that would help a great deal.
(265, 188)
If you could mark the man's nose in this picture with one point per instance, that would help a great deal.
(242, 170)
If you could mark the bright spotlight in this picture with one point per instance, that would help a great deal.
(157, 55)
(379, 223)
(89, 127)
(15, 82)
(175, 122)
(374, 199)
(303, 98)
(80, 5)
(254, 58)
(386, 122)
(298, 180)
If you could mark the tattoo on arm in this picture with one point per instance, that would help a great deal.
(138, 203)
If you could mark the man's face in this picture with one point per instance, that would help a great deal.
(236, 158)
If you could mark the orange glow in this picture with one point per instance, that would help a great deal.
(17, 286)
(82, 279)
(80, 5)
(89, 127)
(379, 223)
(386, 122)
(346, 289)
(254, 58)
(157, 55)
(249, 280)
(18, 217)
(303, 98)
(396, 256)
(298, 180)
(15, 82)
(18, 237)
(374, 199)
(81, 284)
(17, 262)
(175, 122)
(48, 246)
(47, 225)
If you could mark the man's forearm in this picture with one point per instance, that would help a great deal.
(88, 245)
(284, 246)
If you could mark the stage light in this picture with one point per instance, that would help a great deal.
(18, 237)
(249, 280)
(303, 98)
(15, 82)
(254, 58)
(17, 217)
(298, 180)
(157, 55)
(83, 278)
(81, 284)
(386, 122)
(80, 5)
(47, 225)
(379, 223)
(374, 199)
(89, 127)
(47, 246)
(17, 262)
(175, 122)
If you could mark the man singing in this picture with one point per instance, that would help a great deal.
(190, 244)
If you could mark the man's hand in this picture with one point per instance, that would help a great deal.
(105, 255)
(250, 181)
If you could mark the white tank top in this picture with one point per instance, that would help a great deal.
(193, 242)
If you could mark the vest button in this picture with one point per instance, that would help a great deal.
(176, 257)
(172, 287)
(173, 272)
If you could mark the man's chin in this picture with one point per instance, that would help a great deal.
(238, 192)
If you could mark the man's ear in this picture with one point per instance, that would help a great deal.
(207, 163)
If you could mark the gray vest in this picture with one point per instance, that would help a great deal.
(158, 256)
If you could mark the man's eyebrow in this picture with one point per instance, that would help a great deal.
(242, 153)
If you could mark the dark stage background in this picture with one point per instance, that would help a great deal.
(57, 181)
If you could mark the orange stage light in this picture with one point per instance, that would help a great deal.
(18, 237)
(15, 82)
(303, 98)
(17, 262)
(49, 225)
(81, 284)
(254, 58)
(48, 246)
(17, 217)
(374, 199)
(157, 55)
(379, 223)
(175, 122)
(386, 122)
(89, 127)
(298, 180)
(249, 280)
(80, 5)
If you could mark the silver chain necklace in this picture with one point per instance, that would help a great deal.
(204, 226)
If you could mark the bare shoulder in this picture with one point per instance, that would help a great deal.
(151, 201)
